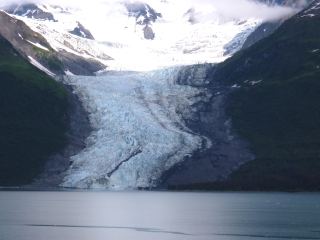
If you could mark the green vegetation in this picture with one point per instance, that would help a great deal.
(33, 117)
(279, 116)
(49, 58)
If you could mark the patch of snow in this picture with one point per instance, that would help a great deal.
(68, 73)
(83, 34)
(41, 67)
(26, 13)
(37, 45)
(20, 36)
(309, 15)
(17, 8)
(316, 6)
(255, 82)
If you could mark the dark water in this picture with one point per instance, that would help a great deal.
(76, 215)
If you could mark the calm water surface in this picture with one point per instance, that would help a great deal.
(77, 215)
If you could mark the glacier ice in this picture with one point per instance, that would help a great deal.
(136, 128)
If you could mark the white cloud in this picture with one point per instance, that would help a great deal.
(244, 9)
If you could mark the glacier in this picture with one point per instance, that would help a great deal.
(137, 131)
(137, 107)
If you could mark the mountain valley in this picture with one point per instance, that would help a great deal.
(172, 100)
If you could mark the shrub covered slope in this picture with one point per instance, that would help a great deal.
(33, 117)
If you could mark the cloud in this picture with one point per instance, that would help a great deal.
(206, 9)
(244, 9)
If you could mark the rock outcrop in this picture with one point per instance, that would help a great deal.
(81, 31)
(145, 16)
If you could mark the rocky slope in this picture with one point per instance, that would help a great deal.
(36, 49)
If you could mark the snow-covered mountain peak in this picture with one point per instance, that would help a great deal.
(35, 11)
(151, 36)
(182, 32)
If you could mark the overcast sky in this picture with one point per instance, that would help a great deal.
(227, 8)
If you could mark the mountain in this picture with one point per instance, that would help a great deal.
(275, 107)
(31, 10)
(35, 47)
(158, 29)
(145, 16)
(34, 112)
(155, 117)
